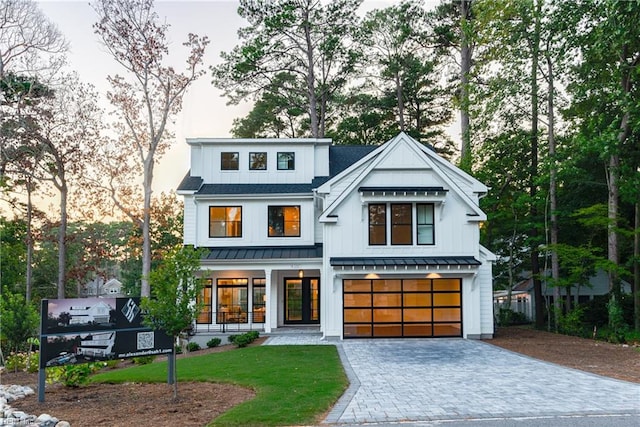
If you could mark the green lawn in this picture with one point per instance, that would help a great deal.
(293, 384)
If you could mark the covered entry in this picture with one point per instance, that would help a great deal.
(402, 307)
(302, 300)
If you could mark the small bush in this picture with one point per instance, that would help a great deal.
(193, 346)
(178, 349)
(143, 360)
(213, 342)
(22, 362)
(72, 375)
(507, 317)
(232, 338)
(242, 340)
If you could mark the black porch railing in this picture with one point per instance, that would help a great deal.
(230, 322)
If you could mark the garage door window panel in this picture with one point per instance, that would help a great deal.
(447, 330)
(417, 330)
(357, 300)
(417, 300)
(357, 315)
(446, 314)
(387, 300)
(446, 299)
(417, 314)
(387, 330)
(358, 330)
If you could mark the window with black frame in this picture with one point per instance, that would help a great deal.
(284, 221)
(259, 300)
(232, 300)
(204, 301)
(286, 161)
(229, 161)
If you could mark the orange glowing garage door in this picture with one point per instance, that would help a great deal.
(388, 308)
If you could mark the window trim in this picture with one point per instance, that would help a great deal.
(252, 154)
(222, 161)
(226, 236)
(291, 163)
(269, 207)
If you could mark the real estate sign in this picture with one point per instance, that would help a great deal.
(87, 329)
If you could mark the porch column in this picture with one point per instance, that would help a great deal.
(269, 310)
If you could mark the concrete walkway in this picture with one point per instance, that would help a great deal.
(399, 381)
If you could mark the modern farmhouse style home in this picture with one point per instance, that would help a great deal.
(360, 241)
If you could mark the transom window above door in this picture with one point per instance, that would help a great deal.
(394, 223)
(284, 221)
(225, 221)
(229, 161)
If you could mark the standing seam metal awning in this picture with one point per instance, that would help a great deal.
(405, 262)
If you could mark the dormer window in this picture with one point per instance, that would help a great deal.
(229, 161)
(286, 161)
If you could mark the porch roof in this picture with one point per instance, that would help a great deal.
(439, 261)
(264, 252)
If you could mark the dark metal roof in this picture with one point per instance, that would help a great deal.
(264, 252)
(403, 261)
(190, 183)
(402, 189)
(255, 188)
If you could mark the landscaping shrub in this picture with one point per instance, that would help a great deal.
(193, 346)
(143, 360)
(178, 349)
(507, 317)
(22, 362)
(72, 375)
(232, 338)
(213, 342)
(244, 339)
(572, 323)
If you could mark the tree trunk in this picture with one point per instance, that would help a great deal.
(636, 269)
(62, 240)
(533, 168)
(553, 199)
(311, 82)
(400, 102)
(29, 273)
(145, 289)
(466, 160)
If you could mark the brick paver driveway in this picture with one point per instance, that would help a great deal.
(403, 380)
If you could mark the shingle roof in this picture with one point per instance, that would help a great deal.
(340, 158)
(255, 188)
(190, 183)
(403, 261)
(264, 252)
(343, 156)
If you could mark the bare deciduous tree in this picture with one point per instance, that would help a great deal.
(145, 98)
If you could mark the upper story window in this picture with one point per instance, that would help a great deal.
(401, 224)
(286, 161)
(377, 224)
(424, 215)
(396, 222)
(225, 221)
(229, 161)
(257, 161)
(284, 221)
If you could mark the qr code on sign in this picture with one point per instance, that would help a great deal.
(145, 340)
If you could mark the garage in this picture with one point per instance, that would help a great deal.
(402, 307)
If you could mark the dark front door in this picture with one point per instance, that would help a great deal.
(302, 300)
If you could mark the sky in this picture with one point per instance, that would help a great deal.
(205, 113)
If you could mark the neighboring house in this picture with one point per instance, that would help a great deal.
(522, 300)
(99, 288)
(362, 241)
(97, 313)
